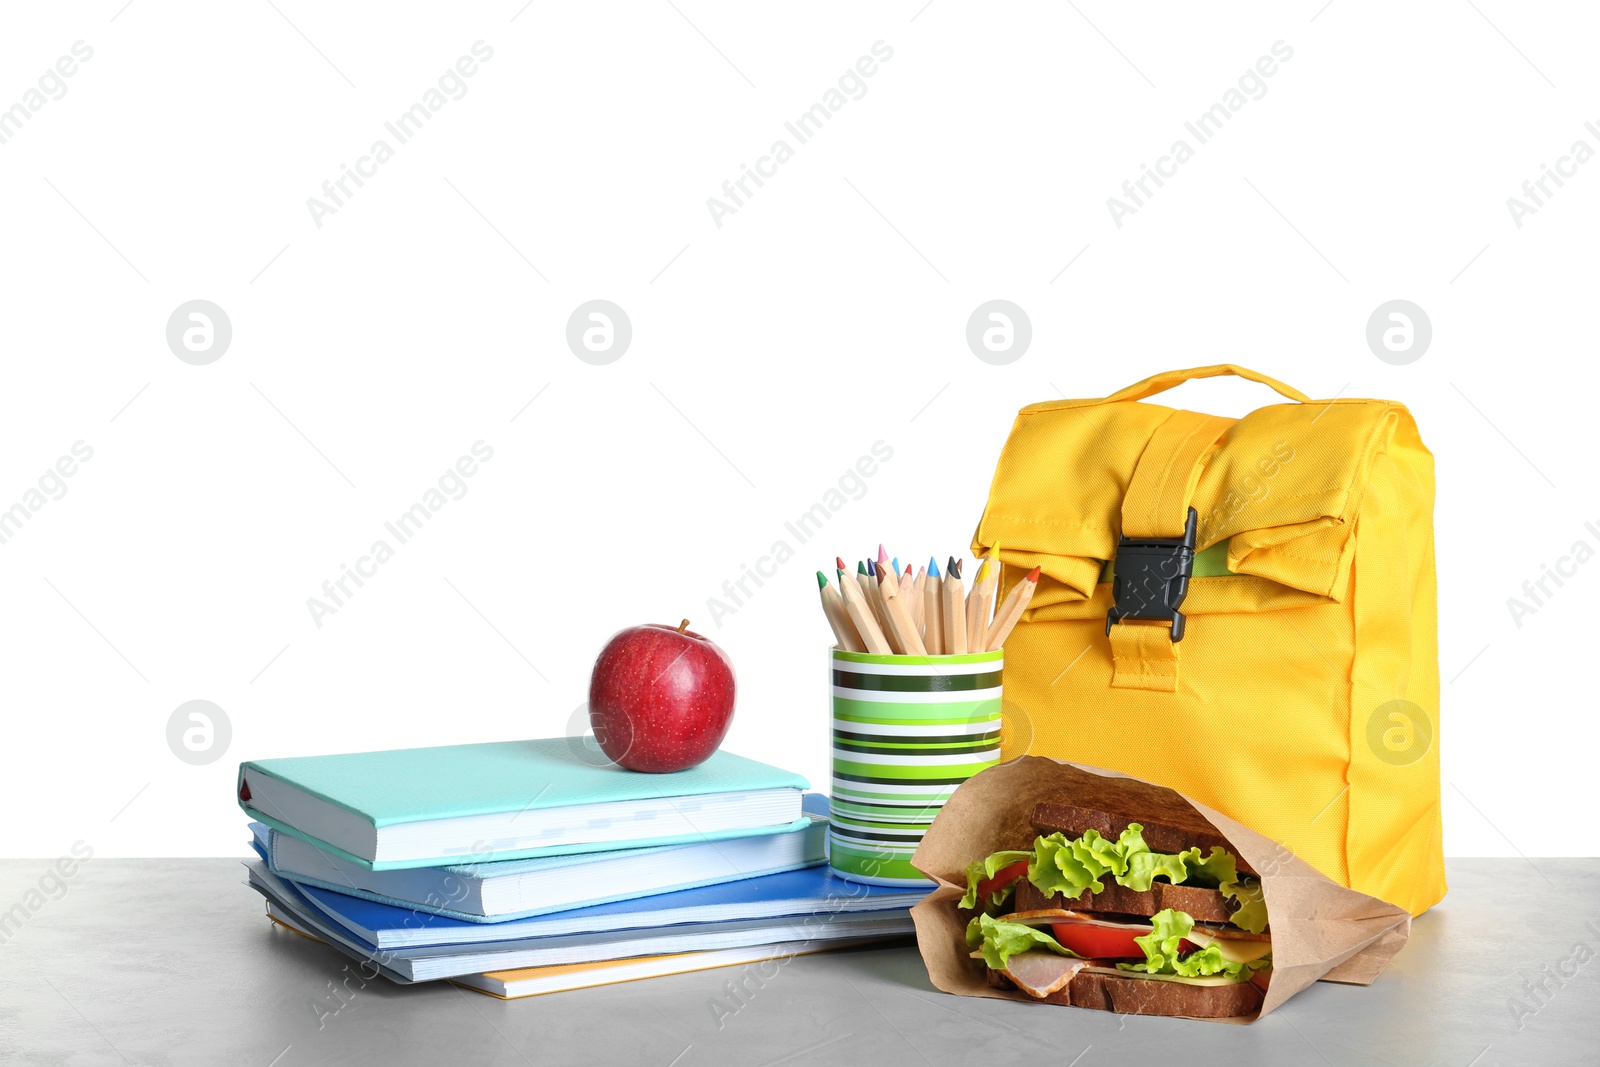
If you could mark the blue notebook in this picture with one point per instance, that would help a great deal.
(299, 904)
(515, 889)
(421, 807)
(811, 890)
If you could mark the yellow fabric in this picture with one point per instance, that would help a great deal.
(1327, 511)
(1157, 505)
(1157, 502)
(1144, 656)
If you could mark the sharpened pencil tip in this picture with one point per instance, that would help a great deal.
(872, 569)
(894, 565)
(983, 569)
(839, 562)
(1033, 575)
(883, 556)
(921, 571)
(953, 568)
(933, 567)
(822, 580)
(861, 568)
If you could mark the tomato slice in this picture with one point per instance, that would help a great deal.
(1092, 941)
(1002, 878)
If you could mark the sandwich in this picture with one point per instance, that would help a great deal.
(1146, 911)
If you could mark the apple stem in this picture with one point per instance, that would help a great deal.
(682, 626)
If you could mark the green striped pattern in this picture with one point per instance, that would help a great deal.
(906, 731)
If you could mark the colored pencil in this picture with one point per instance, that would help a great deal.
(881, 609)
(1016, 603)
(918, 614)
(995, 569)
(874, 598)
(887, 576)
(862, 616)
(953, 611)
(872, 593)
(844, 630)
(922, 611)
(978, 605)
(848, 579)
(932, 621)
(903, 632)
(908, 596)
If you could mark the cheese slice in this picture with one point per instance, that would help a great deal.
(1234, 950)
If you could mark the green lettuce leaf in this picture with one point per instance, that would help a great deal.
(1252, 913)
(1161, 945)
(1000, 940)
(1216, 870)
(1145, 866)
(988, 868)
(1070, 867)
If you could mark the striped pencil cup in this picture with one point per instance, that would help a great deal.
(907, 730)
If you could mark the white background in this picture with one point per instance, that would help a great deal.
(768, 354)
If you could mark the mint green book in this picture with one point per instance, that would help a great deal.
(426, 807)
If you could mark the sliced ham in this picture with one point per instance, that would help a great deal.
(1039, 973)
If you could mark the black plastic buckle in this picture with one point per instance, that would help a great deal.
(1151, 578)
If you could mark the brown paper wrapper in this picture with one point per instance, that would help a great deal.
(1320, 929)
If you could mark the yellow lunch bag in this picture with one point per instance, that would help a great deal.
(1242, 609)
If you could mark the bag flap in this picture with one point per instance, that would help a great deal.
(1277, 497)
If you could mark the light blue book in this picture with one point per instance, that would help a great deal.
(421, 807)
(515, 889)
(813, 893)
(835, 909)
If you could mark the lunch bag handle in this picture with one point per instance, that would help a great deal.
(1160, 383)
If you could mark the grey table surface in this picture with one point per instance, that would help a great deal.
(173, 962)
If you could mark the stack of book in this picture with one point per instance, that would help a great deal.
(525, 867)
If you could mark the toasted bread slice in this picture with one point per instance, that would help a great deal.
(1103, 991)
(1170, 823)
(1202, 905)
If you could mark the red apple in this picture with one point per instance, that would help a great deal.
(660, 698)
